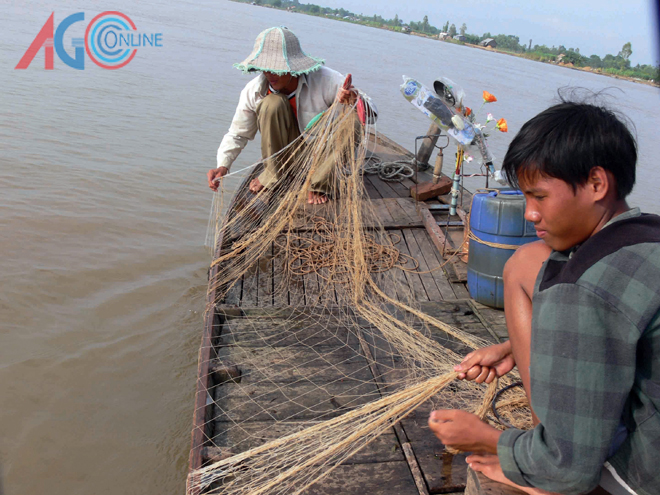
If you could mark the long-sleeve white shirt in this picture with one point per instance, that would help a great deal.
(315, 93)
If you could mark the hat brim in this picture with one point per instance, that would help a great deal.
(254, 68)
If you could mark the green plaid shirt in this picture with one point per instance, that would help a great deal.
(595, 364)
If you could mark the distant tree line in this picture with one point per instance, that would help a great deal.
(611, 64)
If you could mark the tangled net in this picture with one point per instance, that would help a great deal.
(306, 401)
(317, 254)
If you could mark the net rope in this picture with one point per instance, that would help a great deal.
(319, 314)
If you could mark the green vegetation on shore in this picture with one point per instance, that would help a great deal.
(613, 65)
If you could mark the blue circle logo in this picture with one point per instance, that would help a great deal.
(106, 40)
(411, 87)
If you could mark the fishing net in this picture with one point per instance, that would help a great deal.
(319, 345)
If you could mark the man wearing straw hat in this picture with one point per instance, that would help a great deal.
(280, 103)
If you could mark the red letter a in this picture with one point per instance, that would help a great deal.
(45, 39)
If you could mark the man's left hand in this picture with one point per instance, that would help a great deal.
(347, 96)
(463, 431)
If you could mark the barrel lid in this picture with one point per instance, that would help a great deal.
(500, 212)
(506, 193)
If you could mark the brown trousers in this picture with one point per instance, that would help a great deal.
(279, 128)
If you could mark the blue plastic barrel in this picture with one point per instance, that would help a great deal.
(498, 217)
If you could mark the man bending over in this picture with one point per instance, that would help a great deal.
(291, 90)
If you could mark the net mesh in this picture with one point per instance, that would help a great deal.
(329, 348)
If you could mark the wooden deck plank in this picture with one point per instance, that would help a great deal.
(435, 232)
(414, 280)
(411, 207)
(342, 295)
(278, 365)
(404, 292)
(427, 279)
(375, 214)
(457, 313)
(286, 332)
(318, 290)
(398, 214)
(461, 291)
(382, 187)
(408, 183)
(433, 262)
(253, 434)
(327, 294)
(265, 279)
(250, 287)
(456, 270)
(416, 472)
(385, 280)
(371, 191)
(402, 190)
(384, 145)
(310, 282)
(237, 402)
(387, 478)
(280, 279)
(233, 297)
(443, 472)
(296, 285)
(494, 318)
(402, 209)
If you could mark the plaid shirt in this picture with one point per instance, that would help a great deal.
(594, 364)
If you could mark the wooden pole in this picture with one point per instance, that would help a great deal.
(426, 149)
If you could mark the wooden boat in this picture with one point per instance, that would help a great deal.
(408, 460)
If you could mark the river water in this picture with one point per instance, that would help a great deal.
(104, 207)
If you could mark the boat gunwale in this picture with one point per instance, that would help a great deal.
(212, 320)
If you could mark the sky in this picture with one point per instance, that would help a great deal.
(594, 26)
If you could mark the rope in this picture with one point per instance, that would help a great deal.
(497, 245)
(395, 171)
(473, 237)
(319, 251)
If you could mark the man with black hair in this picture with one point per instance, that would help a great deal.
(583, 312)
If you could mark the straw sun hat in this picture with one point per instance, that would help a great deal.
(277, 50)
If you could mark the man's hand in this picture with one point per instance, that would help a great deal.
(464, 431)
(216, 173)
(347, 96)
(485, 364)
